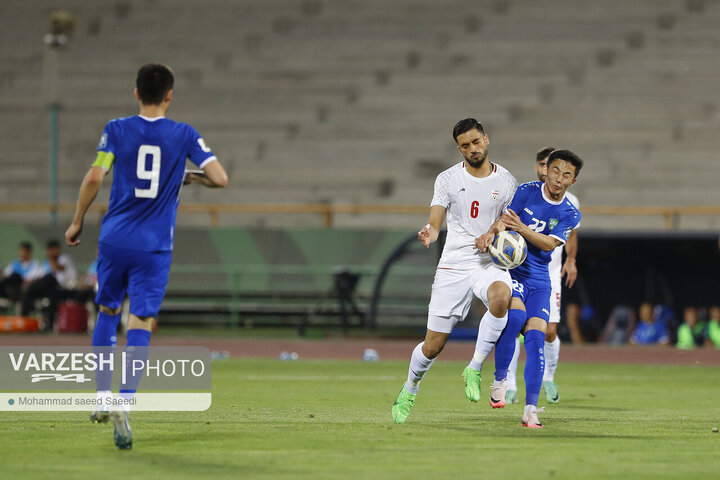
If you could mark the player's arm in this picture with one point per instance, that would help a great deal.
(570, 267)
(88, 191)
(430, 232)
(543, 242)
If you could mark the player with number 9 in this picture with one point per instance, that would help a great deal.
(148, 152)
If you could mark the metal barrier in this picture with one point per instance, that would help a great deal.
(670, 214)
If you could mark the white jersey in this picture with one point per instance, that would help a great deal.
(555, 265)
(473, 205)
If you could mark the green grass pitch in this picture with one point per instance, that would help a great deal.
(331, 420)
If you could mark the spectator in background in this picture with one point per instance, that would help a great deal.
(713, 327)
(692, 331)
(55, 281)
(619, 326)
(651, 329)
(19, 273)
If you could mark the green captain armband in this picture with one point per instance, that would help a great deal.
(104, 160)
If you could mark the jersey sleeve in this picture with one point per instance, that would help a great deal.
(512, 185)
(198, 151)
(106, 149)
(441, 191)
(566, 225)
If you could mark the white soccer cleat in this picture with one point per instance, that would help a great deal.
(530, 418)
(497, 395)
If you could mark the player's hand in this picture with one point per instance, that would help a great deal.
(193, 176)
(424, 236)
(512, 221)
(569, 269)
(483, 241)
(72, 234)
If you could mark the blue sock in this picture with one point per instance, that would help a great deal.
(505, 347)
(104, 340)
(535, 365)
(138, 341)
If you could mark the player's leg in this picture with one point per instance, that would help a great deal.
(112, 286)
(449, 302)
(511, 395)
(538, 307)
(552, 354)
(534, 367)
(492, 286)
(552, 346)
(147, 281)
(422, 358)
(506, 347)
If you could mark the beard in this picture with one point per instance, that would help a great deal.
(477, 162)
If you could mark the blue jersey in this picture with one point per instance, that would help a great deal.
(149, 159)
(542, 215)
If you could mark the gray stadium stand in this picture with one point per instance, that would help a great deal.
(319, 101)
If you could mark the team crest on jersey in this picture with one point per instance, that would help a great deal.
(553, 222)
(494, 195)
(103, 142)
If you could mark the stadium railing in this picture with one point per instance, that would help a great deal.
(670, 214)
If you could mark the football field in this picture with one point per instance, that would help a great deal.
(331, 420)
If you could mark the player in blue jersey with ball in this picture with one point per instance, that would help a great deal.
(148, 152)
(544, 216)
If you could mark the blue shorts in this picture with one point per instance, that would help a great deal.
(142, 275)
(535, 294)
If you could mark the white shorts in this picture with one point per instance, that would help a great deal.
(453, 289)
(555, 304)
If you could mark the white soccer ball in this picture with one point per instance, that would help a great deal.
(508, 249)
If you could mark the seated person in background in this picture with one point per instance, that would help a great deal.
(619, 326)
(55, 280)
(650, 330)
(692, 331)
(713, 327)
(18, 273)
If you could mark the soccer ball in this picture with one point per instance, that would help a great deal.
(508, 249)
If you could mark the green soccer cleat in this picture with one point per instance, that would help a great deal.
(473, 379)
(511, 396)
(122, 434)
(551, 391)
(402, 406)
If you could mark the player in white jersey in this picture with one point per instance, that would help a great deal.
(472, 195)
(568, 270)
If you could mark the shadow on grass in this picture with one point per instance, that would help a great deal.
(513, 430)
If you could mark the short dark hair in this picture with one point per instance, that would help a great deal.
(153, 82)
(26, 245)
(569, 157)
(52, 244)
(465, 126)
(543, 154)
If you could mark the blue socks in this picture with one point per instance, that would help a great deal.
(535, 366)
(138, 341)
(104, 340)
(105, 328)
(505, 347)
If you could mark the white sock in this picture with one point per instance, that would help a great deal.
(552, 354)
(512, 369)
(530, 408)
(103, 398)
(419, 365)
(125, 397)
(488, 333)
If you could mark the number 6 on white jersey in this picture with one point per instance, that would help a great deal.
(153, 174)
